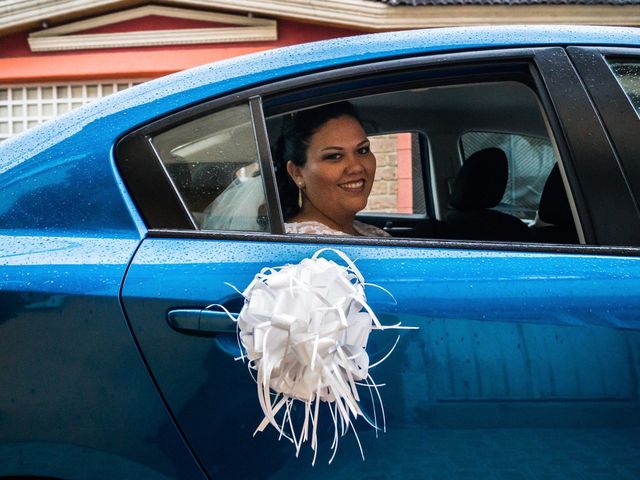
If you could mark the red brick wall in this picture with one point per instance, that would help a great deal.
(392, 189)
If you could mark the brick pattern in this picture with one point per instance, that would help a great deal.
(392, 188)
(405, 177)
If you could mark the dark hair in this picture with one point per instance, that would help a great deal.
(297, 130)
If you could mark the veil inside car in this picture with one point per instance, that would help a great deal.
(238, 207)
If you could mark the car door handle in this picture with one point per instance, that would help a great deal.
(201, 321)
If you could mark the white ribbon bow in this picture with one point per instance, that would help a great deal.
(305, 329)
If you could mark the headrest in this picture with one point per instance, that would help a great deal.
(554, 205)
(481, 181)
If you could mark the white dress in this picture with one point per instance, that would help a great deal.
(312, 227)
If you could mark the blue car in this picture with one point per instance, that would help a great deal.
(509, 185)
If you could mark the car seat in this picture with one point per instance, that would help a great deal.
(554, 212)
(477, 189)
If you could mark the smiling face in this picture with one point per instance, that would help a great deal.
(338, 174)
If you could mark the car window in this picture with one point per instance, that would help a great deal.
(213, 163)
(628, 74)
(398, 186)
(530, 160)
(464, 200)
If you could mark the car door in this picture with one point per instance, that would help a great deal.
(525, 356)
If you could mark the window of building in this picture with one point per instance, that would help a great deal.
(24, 106)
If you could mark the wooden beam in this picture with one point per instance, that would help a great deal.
(70, 36)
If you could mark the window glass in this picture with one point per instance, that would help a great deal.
(628, 74)
(398, 186)
(25, 106)
(491, 199)
(530, 161)
(213, 163)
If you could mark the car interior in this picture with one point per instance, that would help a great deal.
(482, 158)
(483, 165)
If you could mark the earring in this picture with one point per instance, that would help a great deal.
(299, 196)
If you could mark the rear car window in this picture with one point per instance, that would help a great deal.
(213, 163)
(628, 74)
(530, 162)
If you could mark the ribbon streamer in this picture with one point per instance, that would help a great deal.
(305, 329)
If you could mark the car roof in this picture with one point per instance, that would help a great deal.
(289, 61)
(128, 109)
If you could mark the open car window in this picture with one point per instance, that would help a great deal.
(466, 161)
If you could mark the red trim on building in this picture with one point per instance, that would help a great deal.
(19, 65)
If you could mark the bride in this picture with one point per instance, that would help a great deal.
(325, 171)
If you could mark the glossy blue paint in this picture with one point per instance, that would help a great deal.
(64, 265)
(66, 189)
(526, 342)
(76, 399)
(517, 286)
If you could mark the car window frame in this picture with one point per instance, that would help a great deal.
(136, 143)
(150, 185)
(613, 105)
(609, 224)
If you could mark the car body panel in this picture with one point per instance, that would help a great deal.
(74, 385)
(540, 335)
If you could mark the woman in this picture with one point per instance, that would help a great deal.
(325, 172)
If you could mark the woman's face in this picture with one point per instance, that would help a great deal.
(338, 174)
